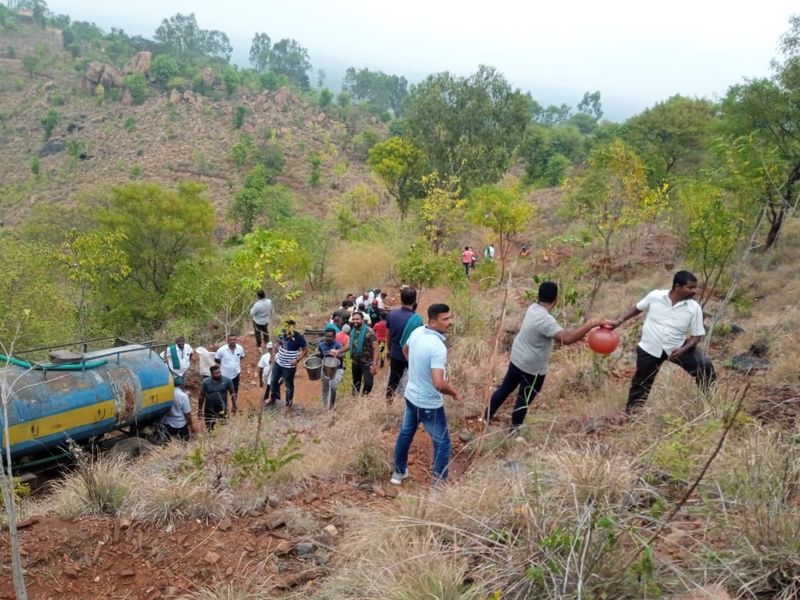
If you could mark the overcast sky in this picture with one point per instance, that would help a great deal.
(636, 52)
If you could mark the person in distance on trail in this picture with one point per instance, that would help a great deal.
(363, 353)
(381, 334)
(343, 312)
(427, 361)
(488, 254)
(178, 421)
(401, 322)
(212, 404)
(260, 313)
(178, 357)
(289, 350)
(530, 354)
(467, 257)
(330, 348)
(671, 315)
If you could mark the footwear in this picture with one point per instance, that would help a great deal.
(397, 477)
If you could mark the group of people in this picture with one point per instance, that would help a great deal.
(469, 258)
(416, 349)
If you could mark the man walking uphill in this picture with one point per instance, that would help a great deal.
(260, 312)
(401, 322)
(427, 358)
(290, 350)
(530, 353)
(671, 315)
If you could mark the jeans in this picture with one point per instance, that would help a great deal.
(329, 386)
(362, 372)
(287, 373)
(694, 362)
(435, 422)
(396, 370)
(529, 387)
(466, 269)
(213, 414)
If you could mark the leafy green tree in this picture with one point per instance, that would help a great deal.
(260, 52)
(612, 194)
(315, 175)
(421, 267)
(270, 155)
(260, 201)
(289, 58)
(376, 88)
(325, 98)
(159, 228)
(710, 227)
(240, 151)
(238, 116)
(91, 261)
(49, 122)
(136, 84)
(504, 211)
(441, 209)
(467, 127)
(590, 105)
(400, 166)
(183, 38)
(231, 80)
(672, 137)
(35, 164)
(30, 63)
(163, 68)
(36, 310)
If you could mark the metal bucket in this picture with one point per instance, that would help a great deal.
(313, 365)
(330, 365)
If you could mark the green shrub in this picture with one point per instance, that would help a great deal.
(136, 84)
(231, 80)
(240, 151)
(272, 81)
(325, 98)
(75, 147)
(255, 464)
(49, 122)
(238, 117)
(163, 69)
(316, 163)
(130, 123)
(35, 165)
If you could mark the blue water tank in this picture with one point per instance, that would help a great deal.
(128, 385)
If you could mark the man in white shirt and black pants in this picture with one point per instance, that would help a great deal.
(671, 315)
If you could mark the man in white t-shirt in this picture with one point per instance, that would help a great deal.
(178, 357)
(178, 421)
(229, 358)
(265, 371)
(671, 316)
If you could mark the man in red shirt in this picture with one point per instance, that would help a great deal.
(466, 259)
(381, 334)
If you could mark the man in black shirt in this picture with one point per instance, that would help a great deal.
(212, 404)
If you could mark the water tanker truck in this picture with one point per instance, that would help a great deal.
(81, 397)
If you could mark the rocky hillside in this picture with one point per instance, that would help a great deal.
(169, 137)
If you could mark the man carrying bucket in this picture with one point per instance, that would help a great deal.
(329, 351)
(289, 350)
(364, 352)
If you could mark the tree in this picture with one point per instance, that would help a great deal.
(291, 59)
(710, 228)
(610, 195)
(441, 209)
(260, 52)
(672, 137)
(504, 211)
(163, 68)
(258, 199)
(467, 127)
(400, 166)
(381, 91)
(91, 261)
(49, 122)
(136, 84)
(183, 38)
(159, 229)
(590, 105)
(30, 62)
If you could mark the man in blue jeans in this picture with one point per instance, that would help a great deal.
(288, 351)
(427, 358)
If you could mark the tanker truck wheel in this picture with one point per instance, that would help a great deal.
(131, 447)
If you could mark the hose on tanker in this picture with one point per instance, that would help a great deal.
(10, 360)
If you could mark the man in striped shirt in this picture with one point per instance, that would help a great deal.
(289, 350)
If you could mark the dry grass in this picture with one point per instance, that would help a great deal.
(98, 485)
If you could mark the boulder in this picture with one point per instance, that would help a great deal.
(111, 77)
(192, 100)
(94, 71)
(174, 96)
(139, 63)
(208, 77)
(282, 97)
(127, 98)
